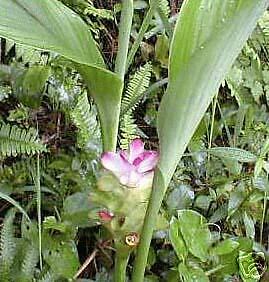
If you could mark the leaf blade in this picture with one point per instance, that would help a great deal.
(49, 25)
(202, 52)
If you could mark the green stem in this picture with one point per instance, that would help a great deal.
(124, 36)
(38, 196)
(143, 29)
(121, 262)
(157, 194)
(263, 216)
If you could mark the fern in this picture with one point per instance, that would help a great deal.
(7, 245)
(22, 167)
(135, 90)
(264, 24)
(84, 117)
(99, 13)
(164, 7)
(128, 130)
(47, 277)
(15, 141)
(30, 261)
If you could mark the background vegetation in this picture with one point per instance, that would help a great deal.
(50, 148)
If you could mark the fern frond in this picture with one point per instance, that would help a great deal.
(136, 88)
(264, 24)
(30, 261)
(22, 167)
(47, 277)
(15, 141)
(84, 117)
(7, 245)
(164, 7)
(128, 130)
(99, 13)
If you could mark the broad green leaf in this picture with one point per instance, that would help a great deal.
(225, 247)
(237, 197)
(233, 154)
(106, 89)
(195, 233)
(208, 36)
(63, 261)
(30, 85)
(181, 197)
(49, 25)
(177, 239)
(249, 226)
(76, 209)
(192, 274)
(230, 260)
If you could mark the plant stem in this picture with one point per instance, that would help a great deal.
(158, 191)
(263, 216)
(145, 24)
(126, 19)
(121, 262)
(38, 196)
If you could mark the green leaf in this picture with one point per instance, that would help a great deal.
(106, 89)
(180, 198)
(237, 197)
(76, 209)
(248, 268)
(249, 226)
(195, 233)
(15, 140)
(29, 88)
(192, 274)
(177, 239)
(207, 38)
(226, 247)
(230, 260)
(63, 261)
(233, 154)
(49, 25)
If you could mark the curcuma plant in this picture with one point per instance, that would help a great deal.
(206, 40)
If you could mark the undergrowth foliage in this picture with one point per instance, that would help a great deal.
(135, 90)
(15, 141)
(7, 246)
(59, 208)
(84, 117)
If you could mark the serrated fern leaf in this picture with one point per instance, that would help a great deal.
(30, 261)
(264, 24)
(47, 277)
(99, 13)
(164, 7)
(15, 140)
(83, 116)
(134, 92)
(136, 88)
(128, 130)
(7, 245)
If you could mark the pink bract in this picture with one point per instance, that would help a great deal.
(105, 215)
(133, 167)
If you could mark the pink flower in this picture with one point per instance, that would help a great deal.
(133, 168)
(105, 215)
